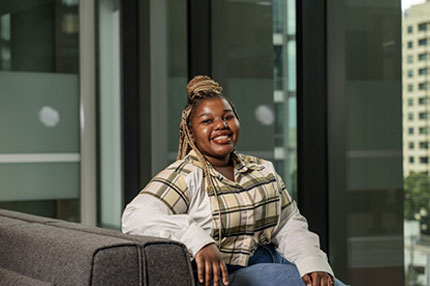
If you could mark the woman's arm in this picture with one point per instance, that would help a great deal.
(298, 244)
(147, 215)
(294, 240)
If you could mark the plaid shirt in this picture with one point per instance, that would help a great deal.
(250, 206)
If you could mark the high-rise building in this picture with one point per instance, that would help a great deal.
(416, 87)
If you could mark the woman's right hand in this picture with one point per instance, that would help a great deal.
(209, 265)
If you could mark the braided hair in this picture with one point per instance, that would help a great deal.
(199, 89)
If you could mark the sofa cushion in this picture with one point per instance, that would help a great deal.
(58, 255)
(11, 278)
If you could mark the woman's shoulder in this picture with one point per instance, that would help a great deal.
(182, 167)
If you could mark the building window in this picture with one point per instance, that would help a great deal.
(423, 86)
(423, 115)
(422, 42)
(424, 145)
(410, 102)
(423, 71)
(410, 29)
(410, 59)
(424, 160)
(411, 145)
(410, 130)
(424, 130)
(422, 100)
(422, 27)
(422, 57)
(410, 87)
(410, 116)
(410, 73)
(411, 160)
(410, 44)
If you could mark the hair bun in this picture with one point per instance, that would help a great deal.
(201, 85)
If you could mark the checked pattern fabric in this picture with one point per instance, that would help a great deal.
(250, 206)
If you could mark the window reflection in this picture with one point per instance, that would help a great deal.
(39, 107)
(284, 95)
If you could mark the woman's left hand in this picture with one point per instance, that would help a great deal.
(318, 278)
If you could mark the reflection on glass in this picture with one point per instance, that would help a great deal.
(284, 43)
(109, 98)
(242, 61)
(255, 62)
(169, 72)
(39, 108)
(365, 142)
(416, 64)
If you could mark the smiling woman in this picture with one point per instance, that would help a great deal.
(232, 211)
(215, 130)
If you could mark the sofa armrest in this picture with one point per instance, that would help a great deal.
(64, 253)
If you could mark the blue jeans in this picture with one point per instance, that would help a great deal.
(267, 267)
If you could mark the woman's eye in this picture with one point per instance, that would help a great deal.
(228, 117)
(207, 121)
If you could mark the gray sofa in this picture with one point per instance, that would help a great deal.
(40, 251)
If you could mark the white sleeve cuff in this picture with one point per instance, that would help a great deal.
(195, 238)
(312, 264)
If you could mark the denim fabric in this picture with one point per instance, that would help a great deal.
(267, 267)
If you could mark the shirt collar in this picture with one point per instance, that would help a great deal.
(240, 165)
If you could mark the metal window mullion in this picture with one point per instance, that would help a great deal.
(87, 87)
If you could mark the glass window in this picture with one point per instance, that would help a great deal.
(410, 102)
(410, 29)
(422, 42)
(423, 115)
(423, 71)
(109, 100)
(410, 130)
(410, 44)
(424, 160)
(410, 87)
(423, 27)
(424, 145)
(422, 100)
(39, 108)
(410, 59)
(424, 130)
(422, 57)
(423, 86)
(411, 159)
(366, 168)
(169, 76)
(411, 145)
(258, 72)
(410, 116)
(410, 73)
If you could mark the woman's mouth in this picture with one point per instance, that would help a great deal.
(222, 139)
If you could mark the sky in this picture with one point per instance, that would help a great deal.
(408, 3)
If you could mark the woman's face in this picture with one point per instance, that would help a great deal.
(215, 129)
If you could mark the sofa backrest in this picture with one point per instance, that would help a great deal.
(62, 253)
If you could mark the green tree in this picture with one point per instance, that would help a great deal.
(417, 194)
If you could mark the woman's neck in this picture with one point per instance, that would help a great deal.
(225, 166)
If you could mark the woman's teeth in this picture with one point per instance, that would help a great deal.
(221, 137)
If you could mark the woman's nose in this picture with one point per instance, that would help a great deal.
(221, 124)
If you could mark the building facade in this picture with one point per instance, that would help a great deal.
(416, 88)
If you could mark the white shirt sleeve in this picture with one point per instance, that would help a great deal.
(298, 244)
(147, 215)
